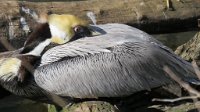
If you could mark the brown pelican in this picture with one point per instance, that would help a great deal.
(121, 61)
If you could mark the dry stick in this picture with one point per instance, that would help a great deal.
(195, 100)
(168, 4)
(196, 68)
(183, 84)
(59, 100)
(6, 44)
(180, 82)
(175, 99)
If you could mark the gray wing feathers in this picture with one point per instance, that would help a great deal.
(128, 68)
(116, 34)
(125, 29)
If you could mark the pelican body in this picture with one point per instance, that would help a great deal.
(119, 62)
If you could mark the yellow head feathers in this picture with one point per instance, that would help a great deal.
(9, 67)
(61, 27)
(65, 21)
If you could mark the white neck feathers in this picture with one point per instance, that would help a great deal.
(38, 50)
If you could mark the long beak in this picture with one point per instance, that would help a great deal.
(96, 31)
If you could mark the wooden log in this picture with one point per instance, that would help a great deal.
(151, 16)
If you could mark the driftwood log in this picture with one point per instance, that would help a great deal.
(152, 16)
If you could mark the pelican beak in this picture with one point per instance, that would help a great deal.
(95, 33)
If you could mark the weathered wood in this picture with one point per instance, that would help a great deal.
(151, 16)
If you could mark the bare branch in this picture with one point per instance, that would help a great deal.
(6, 44)
(196, 68)
(176, 99)
(59, 100)
(92, 17)
(180, 82)
(194, 93)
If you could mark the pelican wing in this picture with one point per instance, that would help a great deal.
(127, 69)
(112, 35)
(84, 68)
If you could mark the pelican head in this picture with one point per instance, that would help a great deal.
(58, 29)
(67, 27)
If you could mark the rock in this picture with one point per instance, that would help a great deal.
(191, 49)
(91, 107)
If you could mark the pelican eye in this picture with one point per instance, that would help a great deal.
(78, 29)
